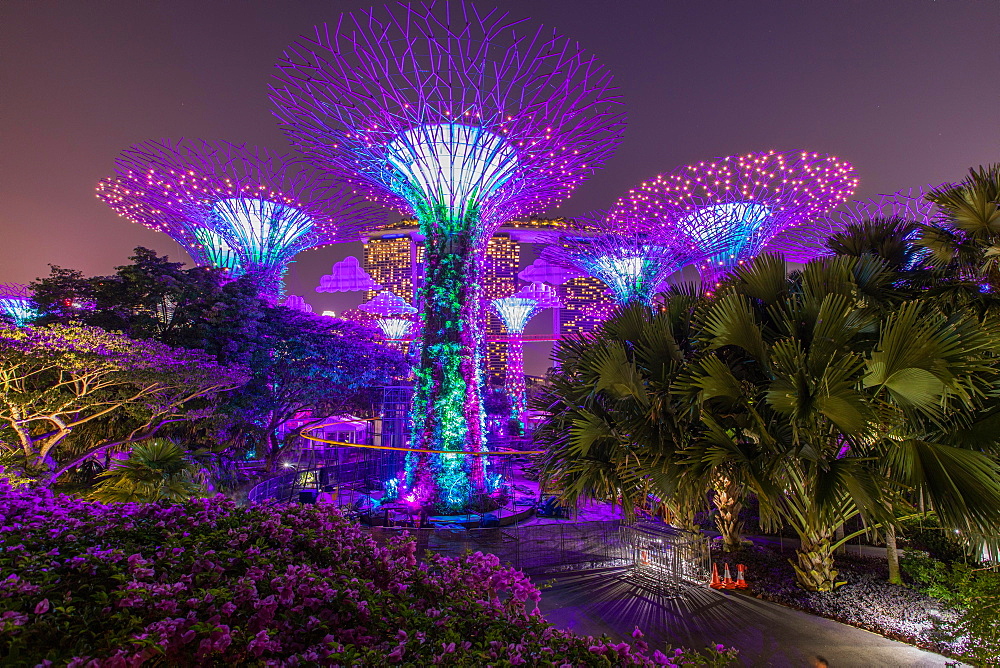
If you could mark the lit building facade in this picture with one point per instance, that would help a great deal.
(585, 305)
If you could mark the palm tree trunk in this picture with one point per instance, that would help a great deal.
(814, 566)
(893, 556)
(728, 500)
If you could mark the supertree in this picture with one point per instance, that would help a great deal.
(745, 201)
(393, 313)
(233, 206)
(16, 304)
(908, 206)
(634, 259)
(464, 119)
(516, 311)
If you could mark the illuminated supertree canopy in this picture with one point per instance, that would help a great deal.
(16, 304)
(515, 312)
(802, 244)
(233, 206)
(745, 201)
(393, 314)
(633, 260)
(464, 119)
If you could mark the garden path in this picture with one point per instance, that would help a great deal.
(767, 634)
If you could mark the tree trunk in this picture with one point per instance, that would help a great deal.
(274, 451)
(447, 413)
(893, 556)
(728, 500)
(814, 566)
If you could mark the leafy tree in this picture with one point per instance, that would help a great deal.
(153, 298)
(156, 470)
(58, 380)
(298, 362)
(308, 364)
(968, 235)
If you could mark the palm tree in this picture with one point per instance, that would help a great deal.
(156, 470)
(889, 239)
(828, 388)
(968, 234)
(614, 429)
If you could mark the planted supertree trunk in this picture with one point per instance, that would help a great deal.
(447, 410)
(464, 120)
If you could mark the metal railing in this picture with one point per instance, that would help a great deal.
(662, 555)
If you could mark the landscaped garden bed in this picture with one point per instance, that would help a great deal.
(209, 583)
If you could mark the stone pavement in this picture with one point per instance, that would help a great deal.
(767, 634)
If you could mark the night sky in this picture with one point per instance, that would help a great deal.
(909, 91)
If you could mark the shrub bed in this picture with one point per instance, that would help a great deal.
(209, 583)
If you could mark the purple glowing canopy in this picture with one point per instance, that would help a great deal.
(234, 206)
(347, 276)
(746, 201)
(16, 304)
(804, 244)
(631, 256)
(297, 303)
(387, 303)
(450, 107)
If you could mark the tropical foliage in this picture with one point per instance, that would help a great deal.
(850, 387)
(155, 470)
(972, 591)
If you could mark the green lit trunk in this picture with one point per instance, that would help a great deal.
(447, 412)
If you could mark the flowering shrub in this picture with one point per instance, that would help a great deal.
(210, 583)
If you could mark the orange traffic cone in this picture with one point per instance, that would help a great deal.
(716, 583)
(741, 582)
(727, 582)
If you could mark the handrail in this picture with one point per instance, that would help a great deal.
(304, 433)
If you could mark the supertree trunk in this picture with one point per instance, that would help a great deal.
(447, 406)
(514, 376)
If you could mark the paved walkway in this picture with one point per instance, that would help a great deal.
(766, 634)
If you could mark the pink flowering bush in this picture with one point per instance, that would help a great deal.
(208, 583)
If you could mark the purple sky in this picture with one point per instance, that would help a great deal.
(906, 90)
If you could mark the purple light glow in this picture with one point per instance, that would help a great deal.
(515, 312)
(634, 260)
(447, 101)
(464, 119)
(744, 200)
(234, 206)
(347, 276)
(804, 244)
